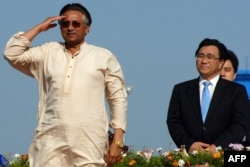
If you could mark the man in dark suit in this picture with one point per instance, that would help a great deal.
(226, 120)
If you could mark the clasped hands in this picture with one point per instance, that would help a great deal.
(202, 147)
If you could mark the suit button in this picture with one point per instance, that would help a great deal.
(204, 128)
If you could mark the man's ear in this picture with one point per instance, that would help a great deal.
(235, 74)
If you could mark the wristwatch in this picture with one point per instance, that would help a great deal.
(119, 144)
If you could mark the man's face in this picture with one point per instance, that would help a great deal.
(227, 71)
(208, 63)
(73, 28)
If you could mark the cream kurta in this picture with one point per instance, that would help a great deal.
(72, 119)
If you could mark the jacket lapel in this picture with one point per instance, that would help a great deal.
(217, 96)
(194, 97)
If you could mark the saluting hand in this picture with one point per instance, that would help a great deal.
(49, 22)
(44, 26)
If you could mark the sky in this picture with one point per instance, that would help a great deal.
(154, 42)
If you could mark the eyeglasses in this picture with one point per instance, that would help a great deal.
(209, 57)
(66, 24)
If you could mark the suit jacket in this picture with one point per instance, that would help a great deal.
(227, 117)
(247, 142)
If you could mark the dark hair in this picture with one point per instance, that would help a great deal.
(221, 47)
(231, 56)
(80, 8)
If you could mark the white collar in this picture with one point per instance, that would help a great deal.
(212, 81)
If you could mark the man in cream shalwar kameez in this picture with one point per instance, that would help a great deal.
(72, 118)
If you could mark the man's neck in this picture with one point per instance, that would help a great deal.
(73, 48)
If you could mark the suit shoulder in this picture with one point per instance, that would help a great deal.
(231, 83)
(187, 83)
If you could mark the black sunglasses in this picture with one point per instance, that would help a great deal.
(66, 24)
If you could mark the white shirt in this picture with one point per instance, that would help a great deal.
(211, 87)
